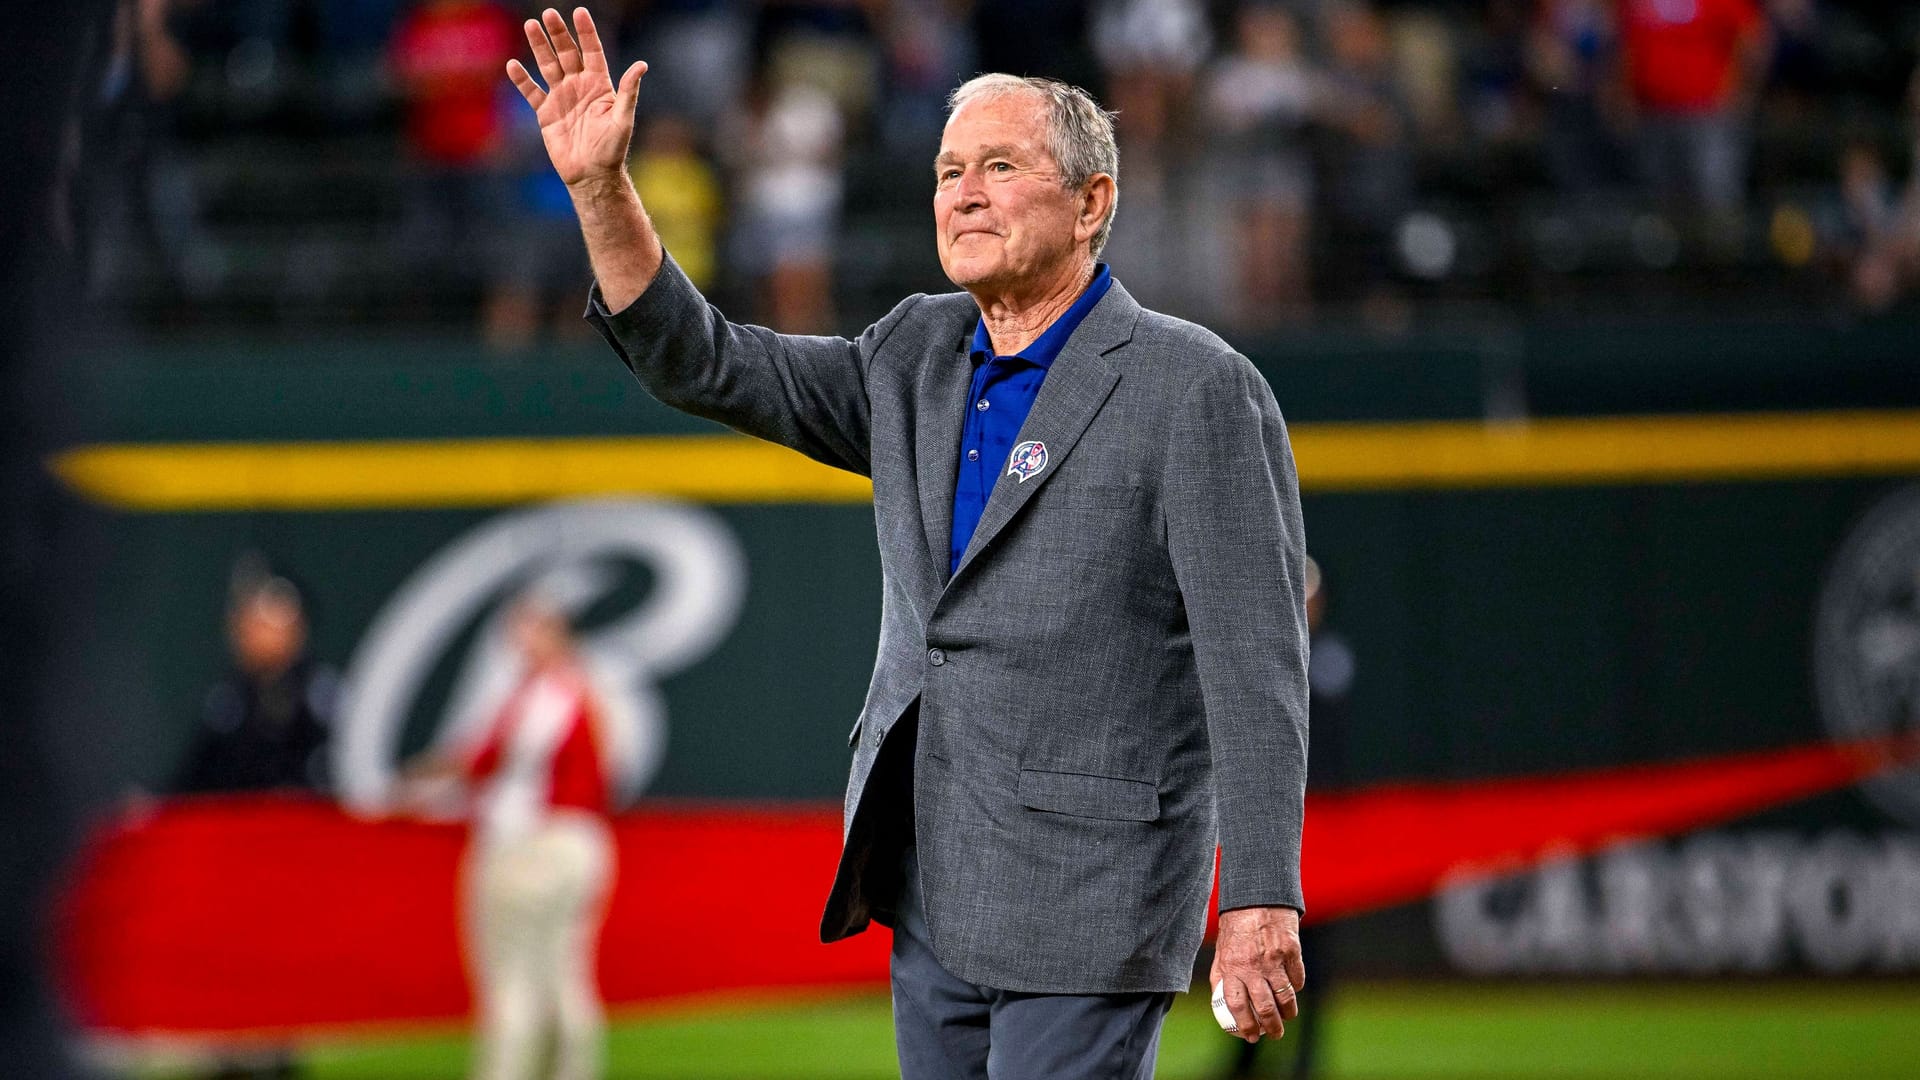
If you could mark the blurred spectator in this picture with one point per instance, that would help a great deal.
(1797, 65)
(828, 45)
(266, 724)
(223, 117)
(1428, 69)
(1883, 220)
(145, 208)
(1793, 123)
(1498, 108)
(927, 55)
(1368, 165)
(1150, 51)
(783, 148)
(541, 859)
(681, 194)
(448, 56)
(1258, 101)
(698, 51)
(1692, 67)
(1572, 51)
(540, 273)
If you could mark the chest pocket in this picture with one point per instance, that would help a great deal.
(1096, 496)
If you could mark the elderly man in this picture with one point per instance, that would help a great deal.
(1092, 645)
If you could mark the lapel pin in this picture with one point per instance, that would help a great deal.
(1028, 458)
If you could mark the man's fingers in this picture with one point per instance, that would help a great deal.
(1246, 1025)
(593, 55)
(629, 90)
(1296, 970)
(1288, 998)
(543, 57)
(523, 82)
(563, 47)
(1266, 1010)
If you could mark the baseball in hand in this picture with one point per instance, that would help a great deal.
(1220, 1011)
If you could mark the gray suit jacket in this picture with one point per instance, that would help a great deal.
(1120, 659)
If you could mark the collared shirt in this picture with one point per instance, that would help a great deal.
(998, 401)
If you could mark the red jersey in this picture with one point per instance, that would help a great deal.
(1682, 55)
(450, 56)
(542, 753)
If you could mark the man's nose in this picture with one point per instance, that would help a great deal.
(970, 192)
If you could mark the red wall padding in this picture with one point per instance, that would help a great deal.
(266, 914)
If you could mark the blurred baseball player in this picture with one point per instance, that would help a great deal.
(541, 857)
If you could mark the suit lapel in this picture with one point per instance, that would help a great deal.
(941, 408)
(1076, 386)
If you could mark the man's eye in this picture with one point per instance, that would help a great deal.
(1001, 166)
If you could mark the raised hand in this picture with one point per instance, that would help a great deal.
(585, 121)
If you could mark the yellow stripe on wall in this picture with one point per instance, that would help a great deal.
(1606, 450)
(735, 469)
(447, 472)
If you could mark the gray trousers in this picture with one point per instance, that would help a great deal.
(1702, 158)
(950, 1029)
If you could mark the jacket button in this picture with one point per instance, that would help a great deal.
(936, 657)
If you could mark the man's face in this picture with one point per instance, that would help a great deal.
(540, 633)
(267, 633)
(1000, 212)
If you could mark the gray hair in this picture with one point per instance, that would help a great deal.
(1079, 132)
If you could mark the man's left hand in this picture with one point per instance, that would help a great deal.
(1257, 956)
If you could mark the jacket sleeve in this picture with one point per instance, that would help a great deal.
(807, 393)
(1238, 550)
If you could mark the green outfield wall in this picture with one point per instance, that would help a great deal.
(1753, 583)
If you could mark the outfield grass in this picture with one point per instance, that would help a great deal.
(1442, 1031)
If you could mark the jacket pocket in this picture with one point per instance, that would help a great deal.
(1089, 796)
(1098, 496)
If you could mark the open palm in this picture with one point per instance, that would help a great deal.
(585, 120)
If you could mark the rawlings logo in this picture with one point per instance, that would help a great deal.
(450, 616)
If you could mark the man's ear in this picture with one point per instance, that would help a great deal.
(1096, 206)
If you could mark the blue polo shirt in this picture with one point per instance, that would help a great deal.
(998, 402)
